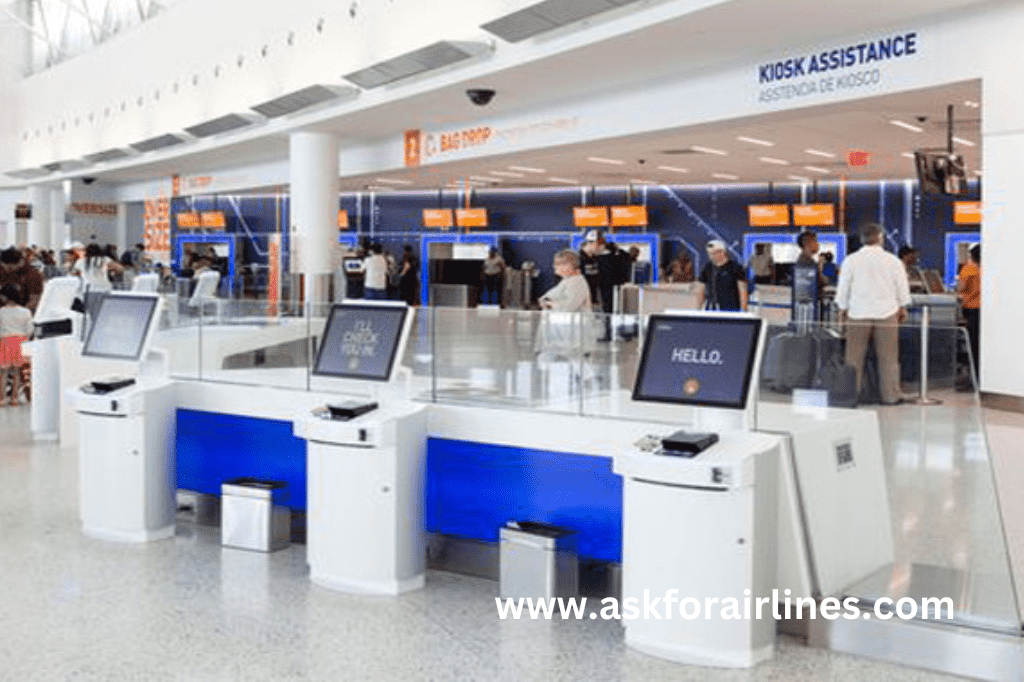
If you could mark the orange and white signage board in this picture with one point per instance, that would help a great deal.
(768, 215)
(156, 234)
(471, 217)
(438, 217)
(342, 219)
(808, 215)
(590, 216)
(212, 220)
(629, 216)
(187, 219)
(967, 212)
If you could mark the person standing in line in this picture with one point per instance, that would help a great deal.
(968, 290)
(376, 287)
(493, 274)
(15, 327)
(762, 264)
(725, 281)
(408, 278)
(873, 295)
(680, 270)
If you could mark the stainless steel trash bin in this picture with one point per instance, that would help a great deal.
(538, 560)
(249, 517)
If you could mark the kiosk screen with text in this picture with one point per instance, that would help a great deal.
(700, 361)
(361, 341)
(119, 330)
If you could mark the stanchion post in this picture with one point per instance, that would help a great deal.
(923, 398)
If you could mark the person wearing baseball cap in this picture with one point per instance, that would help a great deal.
(725, 281)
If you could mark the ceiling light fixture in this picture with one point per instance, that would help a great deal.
(610, 162)
(564, 181)
(907, 126)
(799, 178)
(777, 162)
(818, 152)
(909, 155)
(815, 169)
(725, 176)
(478, 178)
(507, 174)
(754, 140)
(708, 150)
(527, 169)
(638, 181)
(966, 143)
(674, 169)
(393, 181)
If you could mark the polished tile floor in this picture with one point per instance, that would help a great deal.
(78, 609)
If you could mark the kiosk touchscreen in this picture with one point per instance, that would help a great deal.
(698, 360)
(362, 341)
(122, 329)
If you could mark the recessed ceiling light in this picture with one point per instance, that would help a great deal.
(907, 126)
(601, 159)
(527, 169)
(799, 178)
(393, 181)
(777, 162)
(725, 176)
(507, 174)
(818, 152)
(563, 181)
(971, 104)
(478, 178)
(674, 169)
(708, 150)
(966, 143)
(639, 181)
(379, 188)
(754, 140)
(909, 155)
(817, 170)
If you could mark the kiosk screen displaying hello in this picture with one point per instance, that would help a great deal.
(699, 360)
(361, 341)
(120, 328)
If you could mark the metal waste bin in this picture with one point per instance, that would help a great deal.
(538, 560)
(250, 516)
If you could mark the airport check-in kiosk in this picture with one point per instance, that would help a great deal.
(53, 321)
(699, 506)
(126, 426)
(366, 458)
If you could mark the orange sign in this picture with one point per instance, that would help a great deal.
(213, 219)
(175, 185)
(857, 157)
(438, 217)
(471, 217)
(413, 145)
(967, 212)
(629, 216)
(806, 215)
(188, 219)
(342, 219)
(273, 274)
(590, 216)
(768, 215)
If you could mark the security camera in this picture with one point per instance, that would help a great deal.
(480, 96)
(921, 119)
(88, 180)
(641, 161)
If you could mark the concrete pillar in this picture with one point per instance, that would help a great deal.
(314, 209)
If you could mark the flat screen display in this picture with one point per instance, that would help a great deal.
(699, 360)
(361, 341)
(119, 330)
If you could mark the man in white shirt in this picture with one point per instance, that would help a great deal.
(376, 287)
(872, 295)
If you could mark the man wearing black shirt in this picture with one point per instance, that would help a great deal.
(725, 281)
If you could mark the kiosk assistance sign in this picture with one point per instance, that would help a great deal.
(832, 70)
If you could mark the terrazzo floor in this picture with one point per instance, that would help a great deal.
(72, 608)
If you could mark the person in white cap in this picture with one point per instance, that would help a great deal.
(725, 281)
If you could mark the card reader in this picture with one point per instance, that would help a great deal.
(687, 444)
(350, 409)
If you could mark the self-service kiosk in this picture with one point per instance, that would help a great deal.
(366, 456)
(54, 320)
(126, 426)
(699, 505)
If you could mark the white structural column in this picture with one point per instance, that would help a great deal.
(59, 234)
(314, 208)
(39, 226)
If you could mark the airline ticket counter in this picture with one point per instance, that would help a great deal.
(407, 467)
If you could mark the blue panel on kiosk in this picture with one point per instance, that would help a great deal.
(953, 240)
(473, 489)
(214, 447)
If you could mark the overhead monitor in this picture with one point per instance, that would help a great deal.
(362, 341)
(940, 172)
(702, 360)
(768, 215)
(122, 327)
